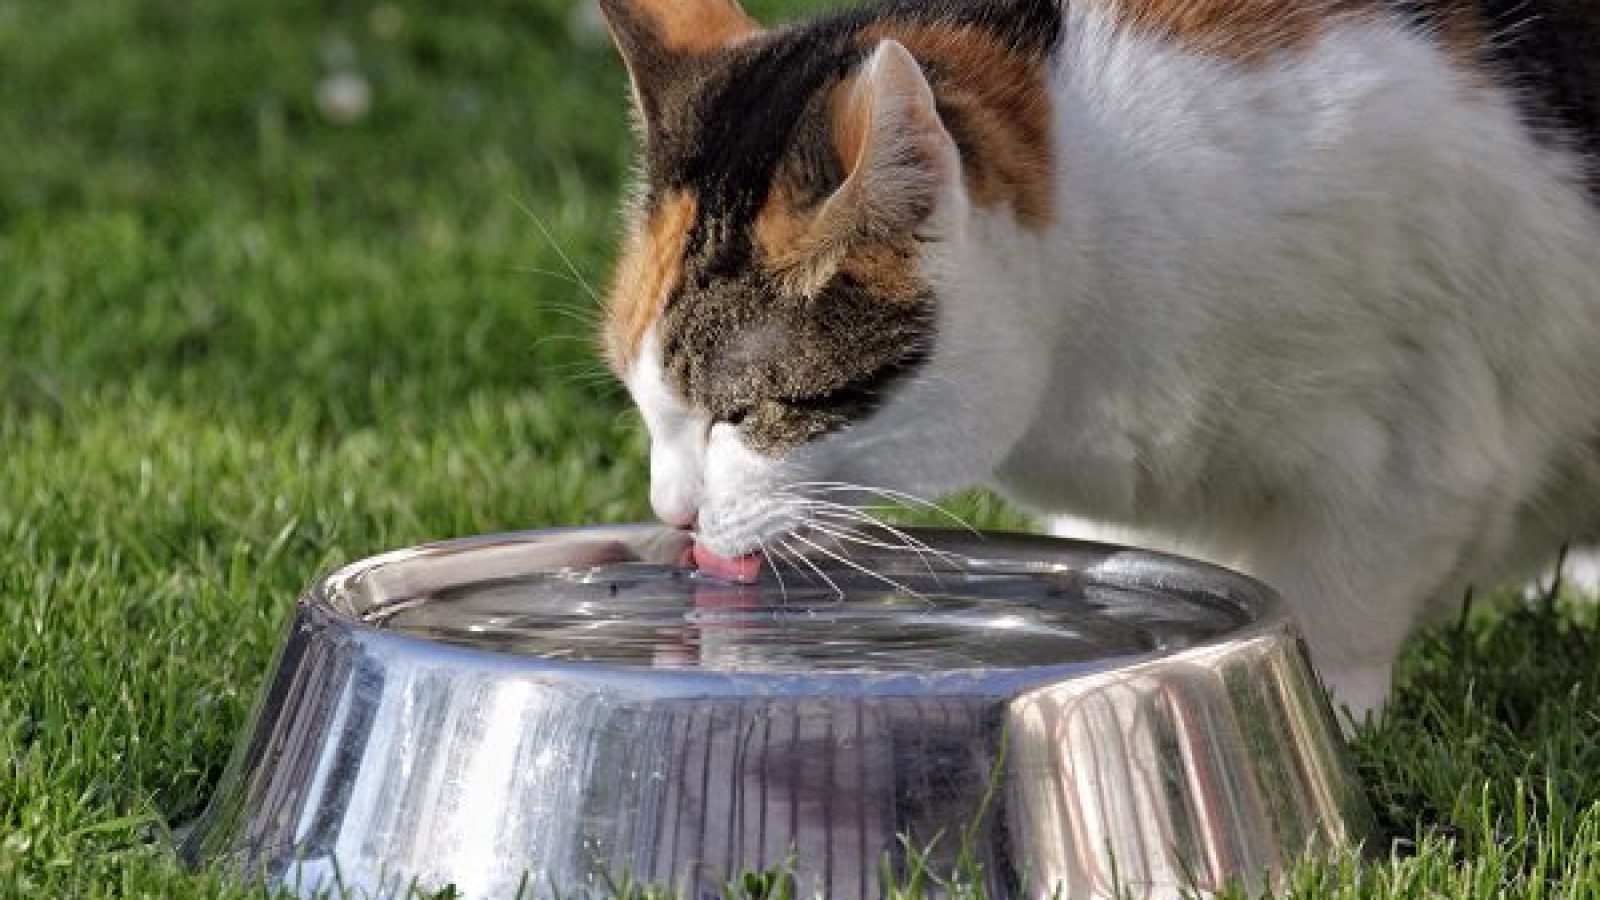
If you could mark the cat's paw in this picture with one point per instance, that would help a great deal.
(1358, 694)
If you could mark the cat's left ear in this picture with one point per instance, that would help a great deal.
(892, 143)
(899, 164)
(661, 39)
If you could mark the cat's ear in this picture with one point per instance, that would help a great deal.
(660, 39)
(898, 158)
(890, 139)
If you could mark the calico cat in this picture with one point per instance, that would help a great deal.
(1311, 287)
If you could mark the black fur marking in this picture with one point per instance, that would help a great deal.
(1553, 46)
(732, 137)
(1028, 26)
(1548, 53)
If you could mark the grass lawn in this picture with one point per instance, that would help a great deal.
(240, 343)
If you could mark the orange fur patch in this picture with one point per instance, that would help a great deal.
(996, 100)
(783, 232)
(1246, 31)
(889, 268)
(1251, 31)
(650, 267)
(1462, 31)
(803, 261)
(697, 26)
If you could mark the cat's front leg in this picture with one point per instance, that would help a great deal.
(1352, 614)
(1353, 595)
(1357, 584)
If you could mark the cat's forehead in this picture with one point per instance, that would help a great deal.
(800, 366)
(728, 129)
(717, 157)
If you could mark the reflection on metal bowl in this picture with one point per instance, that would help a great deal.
(552, 712)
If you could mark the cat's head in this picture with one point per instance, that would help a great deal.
(807, 291)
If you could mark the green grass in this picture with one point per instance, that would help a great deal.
(240, 344)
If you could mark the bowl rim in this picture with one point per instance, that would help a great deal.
(327, 604)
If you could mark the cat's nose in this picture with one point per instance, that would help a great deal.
(675, 491)
(682, 516)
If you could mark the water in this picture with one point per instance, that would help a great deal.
(938, 618)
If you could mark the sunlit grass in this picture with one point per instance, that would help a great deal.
(241, 344)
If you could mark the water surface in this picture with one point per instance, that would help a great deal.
(935, 617)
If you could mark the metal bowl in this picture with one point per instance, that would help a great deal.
(555, 713)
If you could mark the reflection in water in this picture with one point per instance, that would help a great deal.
(664, 616)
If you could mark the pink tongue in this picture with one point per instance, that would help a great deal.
(743, 569)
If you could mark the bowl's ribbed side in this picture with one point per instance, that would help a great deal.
(382, 762)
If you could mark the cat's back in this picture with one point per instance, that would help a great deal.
(1543, 54)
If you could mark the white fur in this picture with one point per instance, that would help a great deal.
(677, 438)
(701, 473)
(1334, 319)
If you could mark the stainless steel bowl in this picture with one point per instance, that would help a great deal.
(552, 713)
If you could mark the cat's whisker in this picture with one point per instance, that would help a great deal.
(903, 497)
(780, 557)
(547, 339)
(849, 535)
(783, 591)
(552, 273)
(838, 591)
(838, 518)
(867, 518)
(844, 487)
(585, 374)
(911, 545)
(789, 555)
(840, 530)
(858, 567)
(556, 245)
(588, 318)
(852, 513)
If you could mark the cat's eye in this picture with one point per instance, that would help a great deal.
(735, 416)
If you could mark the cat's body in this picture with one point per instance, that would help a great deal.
(1305, 287)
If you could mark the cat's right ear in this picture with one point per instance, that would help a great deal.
(660, 40)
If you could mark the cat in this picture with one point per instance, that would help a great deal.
(1308, 288)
